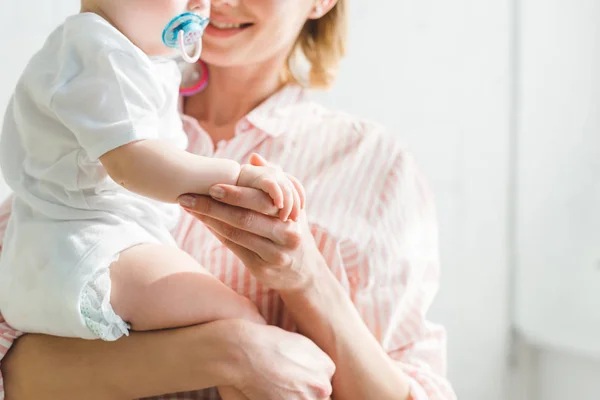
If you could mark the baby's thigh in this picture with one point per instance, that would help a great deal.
(157, 287)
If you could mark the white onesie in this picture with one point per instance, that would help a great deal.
(87, 91)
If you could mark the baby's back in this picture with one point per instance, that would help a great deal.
(88, 91)
(73, 103)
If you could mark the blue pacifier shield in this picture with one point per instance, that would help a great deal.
(192, 26)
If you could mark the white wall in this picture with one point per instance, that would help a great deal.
(558, 274)
(561, 376)
(546, 373)
(24, 25)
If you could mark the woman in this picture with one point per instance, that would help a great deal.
(355, 275)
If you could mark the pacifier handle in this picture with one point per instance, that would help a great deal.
(182, 48)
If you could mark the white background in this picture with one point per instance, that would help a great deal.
(501, 104)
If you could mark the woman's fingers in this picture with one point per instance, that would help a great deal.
(245, 255)
(243, 197)
(246, 220)
(245, 243)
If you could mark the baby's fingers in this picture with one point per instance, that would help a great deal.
(273, 189)
(288, 200)
(295, 214)
(300, 189)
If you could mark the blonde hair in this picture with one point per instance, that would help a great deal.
(322, 42)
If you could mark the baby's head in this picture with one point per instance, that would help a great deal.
(143, 21)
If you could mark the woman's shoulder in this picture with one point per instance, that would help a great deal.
(352, 164)
(351, 137)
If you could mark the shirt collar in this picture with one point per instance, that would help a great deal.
(271, 116)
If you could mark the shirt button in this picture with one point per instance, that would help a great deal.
(221, 144)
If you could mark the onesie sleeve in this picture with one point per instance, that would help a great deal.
(113, 101)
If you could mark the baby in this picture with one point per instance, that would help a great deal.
(93, 148)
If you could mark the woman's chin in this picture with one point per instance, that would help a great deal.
(221, 57)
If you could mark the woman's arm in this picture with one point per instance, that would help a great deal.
(323, 312)
(141, 365)
(161, 171)
(393, 280)
(264, 362)
(388, 350)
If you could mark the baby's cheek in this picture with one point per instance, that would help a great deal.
(148, 37)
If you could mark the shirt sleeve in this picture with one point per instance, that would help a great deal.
(113, 101)
(7, 334)
(394, 279)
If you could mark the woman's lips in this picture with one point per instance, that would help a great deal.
(222, 28)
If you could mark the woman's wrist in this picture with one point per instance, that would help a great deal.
(218, 345)
(317, 293)
(324, 313)
(316, 277)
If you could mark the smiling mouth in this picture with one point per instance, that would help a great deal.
(228, 25)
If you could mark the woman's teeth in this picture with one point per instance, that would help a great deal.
(224, 25)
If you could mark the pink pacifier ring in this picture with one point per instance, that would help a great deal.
(199, 86)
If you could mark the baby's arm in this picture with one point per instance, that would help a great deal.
(113, 112)
(159, 170)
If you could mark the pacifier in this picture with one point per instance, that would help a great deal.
(183, 31)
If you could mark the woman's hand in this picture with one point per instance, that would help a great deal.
(276, 364)
(282, 255)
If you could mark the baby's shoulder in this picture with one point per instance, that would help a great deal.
(91, 36)
(85, 45)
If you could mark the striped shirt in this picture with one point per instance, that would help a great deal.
(371, 215)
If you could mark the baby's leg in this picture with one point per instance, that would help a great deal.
(157, 287)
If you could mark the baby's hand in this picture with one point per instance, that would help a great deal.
(285, 190)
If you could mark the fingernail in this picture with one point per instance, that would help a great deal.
(187, 201)
(216, 192)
